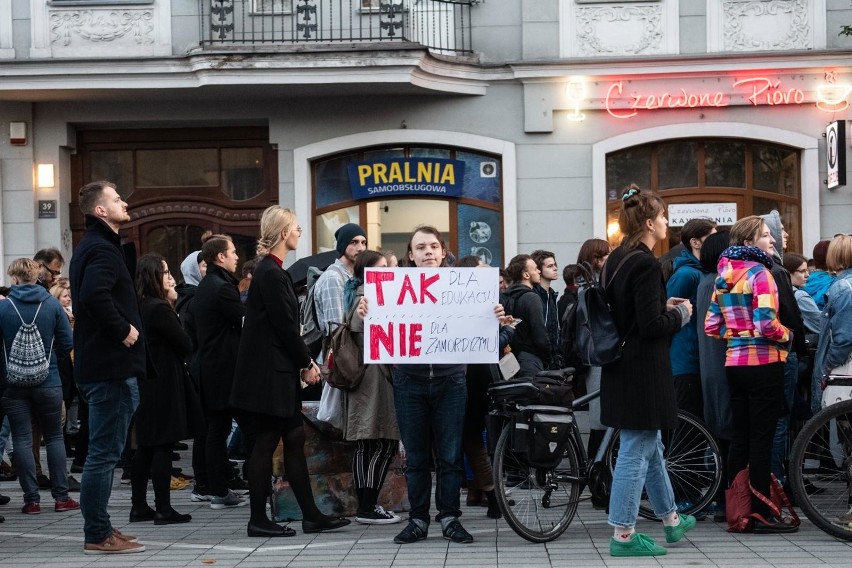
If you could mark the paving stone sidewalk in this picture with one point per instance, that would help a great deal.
(218, 539)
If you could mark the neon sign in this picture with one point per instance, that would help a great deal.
(759, 91)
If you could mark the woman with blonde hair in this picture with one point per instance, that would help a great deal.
(637, 391)
(271, 362)
(744, 312)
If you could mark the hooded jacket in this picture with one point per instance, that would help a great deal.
(684, 284)
(835, 340)
(744, 309)
(551, 316)
(788, 307)
(817, 286)
(531, 334)
(52, 324)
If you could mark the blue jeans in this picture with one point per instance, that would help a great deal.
(5, 431)
(640, 464)
(111, 406)
(430, 412)
(45, 405)
(779, 443)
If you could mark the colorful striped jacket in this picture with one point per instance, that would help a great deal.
(744, 309)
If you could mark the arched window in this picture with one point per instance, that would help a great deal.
(755, 176)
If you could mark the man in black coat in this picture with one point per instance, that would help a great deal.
(530, 344)
(218, 315)
(109, 357)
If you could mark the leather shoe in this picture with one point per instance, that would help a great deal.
(771, 525)
(4, 499)
(255, 530)
(328, 524)
(141, 515)
(171, 517)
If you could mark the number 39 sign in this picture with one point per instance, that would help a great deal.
(431, 315)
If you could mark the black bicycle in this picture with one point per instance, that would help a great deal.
(539, 502)
(821, 467)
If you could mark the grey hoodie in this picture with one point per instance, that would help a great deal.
(189, 269)
(773, 221)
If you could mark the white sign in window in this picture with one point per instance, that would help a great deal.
(722, 213)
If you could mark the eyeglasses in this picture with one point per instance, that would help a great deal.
(299, 230)
(49, 269)
(802, 271)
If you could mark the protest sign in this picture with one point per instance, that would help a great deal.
(431, 315)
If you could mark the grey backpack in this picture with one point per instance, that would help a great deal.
(27, 365)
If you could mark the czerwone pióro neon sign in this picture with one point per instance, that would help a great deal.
(759, 91)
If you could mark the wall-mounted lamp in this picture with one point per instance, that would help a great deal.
(576, 93)
(44, 176)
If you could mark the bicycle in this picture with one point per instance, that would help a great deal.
(540, 503)
(821, 468)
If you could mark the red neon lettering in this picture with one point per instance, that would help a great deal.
(379, 336)
(617, 86)
(377, 278)
(765, 92)
(424, 285)
(407, 287)
(414, 339)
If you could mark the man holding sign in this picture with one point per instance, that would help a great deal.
(431, 321)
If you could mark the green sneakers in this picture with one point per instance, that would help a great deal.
(675, 533)
(638, 545)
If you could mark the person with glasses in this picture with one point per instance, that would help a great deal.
(51, 262)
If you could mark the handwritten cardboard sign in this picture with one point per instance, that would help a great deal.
(431, 315)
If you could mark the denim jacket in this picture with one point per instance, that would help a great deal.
(835, 340)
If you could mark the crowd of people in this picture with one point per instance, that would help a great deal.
(729, 326)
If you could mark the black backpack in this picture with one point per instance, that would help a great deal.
(590, 333)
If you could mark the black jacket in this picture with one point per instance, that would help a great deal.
(637, 391)
(162, 417)
(271, 350)
(105, 306)
(551, 320)
(789, 313)
(218, 315)
(530, 335)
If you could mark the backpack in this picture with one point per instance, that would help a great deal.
(27, 365)
(346, 360)
(595, 334)
(311, 332)
(739, 503)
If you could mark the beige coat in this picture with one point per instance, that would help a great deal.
(369, 409)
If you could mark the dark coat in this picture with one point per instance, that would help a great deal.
(271, 350)
(218, 315)
(161, 417)
(637, 391)
(789, 313)
(105, 306)
(531, 334)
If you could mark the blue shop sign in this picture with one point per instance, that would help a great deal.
(406, 176)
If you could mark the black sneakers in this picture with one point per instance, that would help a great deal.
(455, 532)
(411, 533)
(377, 516)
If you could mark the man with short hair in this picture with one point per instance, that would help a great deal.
(51, 262)
(328, 295)
(109, 357)
(545, 261)
(530, 344)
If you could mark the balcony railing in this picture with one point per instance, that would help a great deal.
(440, 25)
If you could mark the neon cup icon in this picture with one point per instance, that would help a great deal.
(831, 97)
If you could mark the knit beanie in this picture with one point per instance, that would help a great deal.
(345, 234)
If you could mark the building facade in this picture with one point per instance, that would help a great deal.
(509, 124)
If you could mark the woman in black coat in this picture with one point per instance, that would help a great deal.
(272, 362)
(637, 391)
(161, 419)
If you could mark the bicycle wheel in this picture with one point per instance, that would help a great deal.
(821, 470)
(538, 504)
(693, 462)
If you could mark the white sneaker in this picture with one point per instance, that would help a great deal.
(377, 516)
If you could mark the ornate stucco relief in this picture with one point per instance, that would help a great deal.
(763, 25)
(608, 30)
(126, 27)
